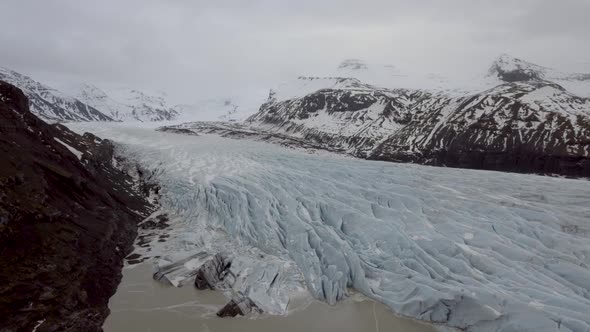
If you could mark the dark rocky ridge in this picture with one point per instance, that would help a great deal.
(66, 222)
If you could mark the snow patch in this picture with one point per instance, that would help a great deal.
(39, 323)
(77, 153)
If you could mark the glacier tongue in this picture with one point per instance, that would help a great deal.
(475, 250)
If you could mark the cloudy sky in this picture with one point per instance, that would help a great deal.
(191, 47)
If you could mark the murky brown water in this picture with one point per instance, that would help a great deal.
(142, 304)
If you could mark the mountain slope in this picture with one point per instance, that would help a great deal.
(67, 219)
(525, 121)
(350, 115)
(127, 104)
(534, 126)
(50, 104)
(510, 69)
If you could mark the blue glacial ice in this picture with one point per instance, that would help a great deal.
(474, 250)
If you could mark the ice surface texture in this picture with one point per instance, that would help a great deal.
(475, 250)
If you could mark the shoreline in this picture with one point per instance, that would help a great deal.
(143, 304)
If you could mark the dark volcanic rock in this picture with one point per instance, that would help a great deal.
(67, 220)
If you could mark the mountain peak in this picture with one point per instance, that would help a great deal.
(508, 60)
(511, 69)
(87, 91)
(353, 64)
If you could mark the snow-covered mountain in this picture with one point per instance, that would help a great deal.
(533, 125)
(87, 102)
(510, 69)
(392, 77)
(519, 126)
(504, 69)
(50, 104)
(305, 85)
(125, 104)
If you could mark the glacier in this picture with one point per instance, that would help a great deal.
(472, 250)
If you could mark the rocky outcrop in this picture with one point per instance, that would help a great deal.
(86, 102)
(68, 217)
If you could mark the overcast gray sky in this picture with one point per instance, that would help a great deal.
(197, 47)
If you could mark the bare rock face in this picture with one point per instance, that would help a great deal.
(67, 220)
